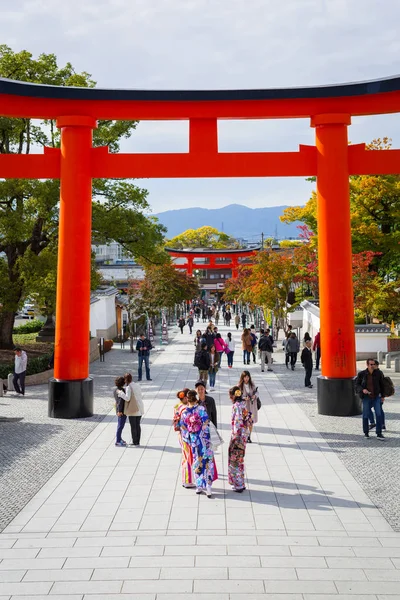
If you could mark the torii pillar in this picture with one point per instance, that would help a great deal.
(336, 385)
(71, 389)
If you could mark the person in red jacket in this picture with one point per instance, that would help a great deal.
(317, 349)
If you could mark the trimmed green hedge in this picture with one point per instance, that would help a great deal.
(35, 365)
(29, 327)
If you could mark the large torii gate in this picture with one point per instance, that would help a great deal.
(331, 160)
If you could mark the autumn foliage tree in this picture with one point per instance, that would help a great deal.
(204, 237)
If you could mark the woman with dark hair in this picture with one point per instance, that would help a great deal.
(250, 395)
(307, 337)
(219, 346)
(134, 408)
(195, 429)
(214, 366)
(187, 456)
(241, 423)
(119, 409)
(230, 344)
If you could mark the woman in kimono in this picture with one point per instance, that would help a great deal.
(241, 423)
(250, 394)
(187, 456)
(195, 430)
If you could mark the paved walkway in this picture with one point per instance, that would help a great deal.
(115, 523)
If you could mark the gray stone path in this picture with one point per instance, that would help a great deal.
(115, 522)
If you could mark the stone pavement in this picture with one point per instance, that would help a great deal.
(115, 522)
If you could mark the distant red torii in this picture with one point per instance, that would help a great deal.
(234, 254)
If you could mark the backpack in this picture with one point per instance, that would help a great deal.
(197, 359)
(388, 387)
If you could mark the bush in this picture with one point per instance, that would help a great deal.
(108, 344)
(35, 365)
(29, 327)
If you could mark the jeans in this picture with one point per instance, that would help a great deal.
(230, 358)
(317, 357)
(134, 422)
(246, 356)
(265, 355)
(307, 379)
(376, 404)
(212, 375)
(120, 426)
(146, 360)
(372, 418)
(220, 354)
(19, 380)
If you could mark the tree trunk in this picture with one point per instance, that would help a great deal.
(7, 319)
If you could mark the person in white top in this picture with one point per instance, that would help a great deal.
(20, 364)
(134, 408)
(230, 342)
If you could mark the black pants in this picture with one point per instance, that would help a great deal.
(293, 358)
(307, 379)
(136, 430)
(317, 357)
(19, 382)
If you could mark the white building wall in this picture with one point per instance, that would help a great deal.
(103, 321)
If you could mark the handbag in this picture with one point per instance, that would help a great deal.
(258, 404)
(215, 437)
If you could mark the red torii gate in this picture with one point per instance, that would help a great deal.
(234, 255)
(332, 160)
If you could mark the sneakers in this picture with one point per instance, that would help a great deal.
(366, 435)
(121, 444)
(269, 369)
(211, 389)
(381, 437)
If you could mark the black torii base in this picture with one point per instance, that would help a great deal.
(338, 397)
(70, 399)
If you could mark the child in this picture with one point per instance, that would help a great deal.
(119, 408)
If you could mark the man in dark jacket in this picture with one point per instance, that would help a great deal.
(265, 348)
(369, 386)
(307, 362)
(292, 349)
(202, 362)
(143, 347)
(207, 401)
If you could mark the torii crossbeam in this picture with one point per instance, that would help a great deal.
(76, 163)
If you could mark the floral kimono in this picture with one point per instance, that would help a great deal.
(187, 456)
(195, 430)
(241, 423)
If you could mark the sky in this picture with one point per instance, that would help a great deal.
(216, 44)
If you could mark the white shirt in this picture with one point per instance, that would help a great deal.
(231, 344)
(20, 362)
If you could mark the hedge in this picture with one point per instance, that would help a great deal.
(29, 327)
(35, 365)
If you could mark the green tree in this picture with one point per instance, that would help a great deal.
(204, 237)
(29, 208)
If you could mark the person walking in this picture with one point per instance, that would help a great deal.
(241, 425)
(216, 317)
(204, 314)
(20, 364)
(119, 409)
(202, 362)
(190, 322)
(372, 422)
(187, 456)
(195, 430)
(237, 321)
(214, 366)
(246, 346)
(133, 407)
(307, 362)
(266, 349)
(228, 317)
(370, 387)
(230, 344)
(317, 349)
(143, 347)
(250, 395)
(244, 319)
(181, 324)
(220, 346)
(253, 342)
(292, 349)
(198, 341)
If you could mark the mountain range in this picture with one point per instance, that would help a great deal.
(235, 220)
